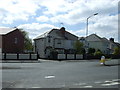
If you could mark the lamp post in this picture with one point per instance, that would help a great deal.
(87, 23)
(86, 43)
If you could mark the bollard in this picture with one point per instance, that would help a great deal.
(102, 61)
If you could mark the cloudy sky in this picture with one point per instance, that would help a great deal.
(39, 16)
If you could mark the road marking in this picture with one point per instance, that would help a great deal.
(35, 87)
(88, 86)
(114, 80)
(108, 81)
(80, 84)
(98, 82)
(48, 77)
(110, 84)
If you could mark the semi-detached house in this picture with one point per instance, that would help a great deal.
(103, 44)
(58, 40)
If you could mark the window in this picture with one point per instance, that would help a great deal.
(59, 42)
(49, 39)
(16, 40)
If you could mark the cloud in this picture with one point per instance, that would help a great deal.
(69, 12)
(12, 10)
(80, 10)
(36, 29)
(106, 26)
(42, 19)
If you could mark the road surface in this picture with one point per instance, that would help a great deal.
(55, 74)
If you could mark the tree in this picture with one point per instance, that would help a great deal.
(116, 51)
(28, 46)
(79, 47)
(91, 51)
(98, 53)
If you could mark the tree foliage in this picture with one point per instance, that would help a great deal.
(79, 47)
(98, 53)
(91, 51)
(28, 46)
(116, 51)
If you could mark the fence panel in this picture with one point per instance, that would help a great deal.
(11, 56)
(19, 56)
(70, 56)
(79, 56)
(61, 56)
(24, 56)
(34, 56)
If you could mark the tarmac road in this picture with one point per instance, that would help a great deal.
(64, 74)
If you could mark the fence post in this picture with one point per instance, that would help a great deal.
(17, 56)
(75, 56)
(5, 56)
(30, 56)
(66, 56)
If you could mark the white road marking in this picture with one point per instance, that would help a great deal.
(98, 82)
(35, 87)
(88, 86)
(80, 84)
(110, 84)
(48, 77)
(108, 81)
(114, 80)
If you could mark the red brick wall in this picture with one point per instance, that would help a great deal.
(9, 45)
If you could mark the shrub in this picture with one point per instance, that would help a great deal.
(116, 51)
(98, 53)
(91, 51)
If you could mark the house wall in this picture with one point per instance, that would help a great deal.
(40, 47)
(96, 45)
(13, 42)
(103, 46)
(69, 44)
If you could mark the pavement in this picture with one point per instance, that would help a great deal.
(60, 74)
(107, 61)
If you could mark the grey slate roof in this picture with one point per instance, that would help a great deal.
(58, 33)
(99, 38)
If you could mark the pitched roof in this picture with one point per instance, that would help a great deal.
(96, 38)
(58, 33)
(44, 35)
(4, 31)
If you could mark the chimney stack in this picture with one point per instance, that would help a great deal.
(62, 30)
(112, 39)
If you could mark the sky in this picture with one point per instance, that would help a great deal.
(39, 16)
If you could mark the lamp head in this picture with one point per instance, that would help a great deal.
(95, 14)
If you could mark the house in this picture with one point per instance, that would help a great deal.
(103, 44)
(58, 40)
(12, 40)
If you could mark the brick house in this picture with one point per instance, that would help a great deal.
(11, 40)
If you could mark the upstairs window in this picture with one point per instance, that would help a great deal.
(16, 40)
(59, 42)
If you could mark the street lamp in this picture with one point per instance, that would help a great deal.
(86, 43)
(87, 23)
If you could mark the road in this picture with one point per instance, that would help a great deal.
(55, 74)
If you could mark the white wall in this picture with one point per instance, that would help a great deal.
(40, 47)
(69, 44)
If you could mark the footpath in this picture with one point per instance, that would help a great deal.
(107, 61)
(112, 62)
